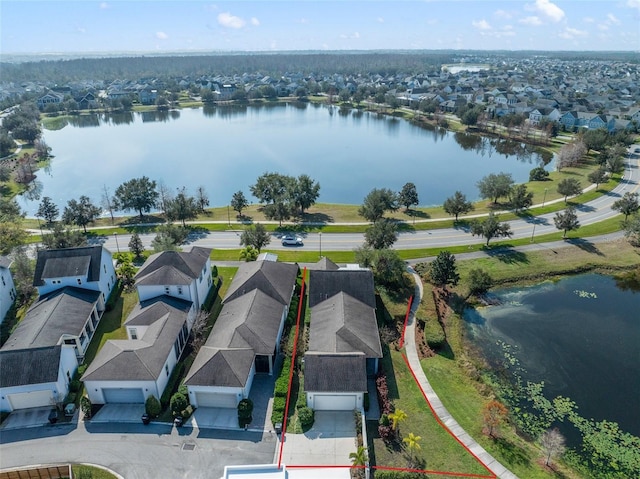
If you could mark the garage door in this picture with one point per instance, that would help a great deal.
(123, 395)
(334, 402)
(31, 399)
(216, 400)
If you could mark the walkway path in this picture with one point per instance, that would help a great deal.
(414, 363)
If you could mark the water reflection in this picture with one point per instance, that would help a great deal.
(122, 118)
(91, 120)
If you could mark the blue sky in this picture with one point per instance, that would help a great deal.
(142, 26)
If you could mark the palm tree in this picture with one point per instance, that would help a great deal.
(396, 418)
(413, 443)
(359, 460)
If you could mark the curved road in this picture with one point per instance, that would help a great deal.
(588, 213)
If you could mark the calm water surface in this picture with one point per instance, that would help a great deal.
(227, 148)
(581, 336)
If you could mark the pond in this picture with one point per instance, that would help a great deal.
(226, 148)
(580, 335)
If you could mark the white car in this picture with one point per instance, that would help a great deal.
(291, 240)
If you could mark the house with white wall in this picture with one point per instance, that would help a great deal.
(7, 288)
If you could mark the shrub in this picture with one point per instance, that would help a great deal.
(178, 403)
(434, 334)
(399, 475)
(282, 383)
(386, 406)
(71, 398)
(306, 416)
(152, 406)
(279, 403)
(85, 406)
(74, 386)
(245, 408)
(214, 271)
(538, 174)
(173, 384)
(80, 371)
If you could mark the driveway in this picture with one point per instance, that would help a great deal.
(328, 443)
(27, 418)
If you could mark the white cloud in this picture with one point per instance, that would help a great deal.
(633, 4)
(161, 36)
(380, 20)
(502, 14)
(352, 35)
(303, 21)
(570, 33)
(80, 29)
(612, 19)
(230, 21)
(589, 20)
(104, 6)
(548, 9)
(255, 22)
(481, 24)
(603, 27)
(531, 21)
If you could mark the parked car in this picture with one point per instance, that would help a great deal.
(70, 409)
(53, 416)
(291, 240)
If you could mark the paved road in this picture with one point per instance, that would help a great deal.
(137, 451)
(589, 213)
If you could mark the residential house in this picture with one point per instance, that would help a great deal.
(172, 287)
(344, 344)
(7, 289)
(245, 339)
(147, 96)
(54, 335)
(49, 98)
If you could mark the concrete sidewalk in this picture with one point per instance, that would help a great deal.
(414, 363)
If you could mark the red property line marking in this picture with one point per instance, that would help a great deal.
(293, 362)
(406, 320)
(401, 469)
(435, 416)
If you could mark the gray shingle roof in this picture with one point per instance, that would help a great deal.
(272, 278)
(5, 261)
(29, 366)
(325, 372)
(220, 367)
(61, 263)
(250, 321)
(173, 267)
(342, 324)
(64, 311)
(357, 284)
(142, 359)
(324, 264)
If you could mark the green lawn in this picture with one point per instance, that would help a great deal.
(84, 470)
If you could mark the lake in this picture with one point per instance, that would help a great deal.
(226, 148)
(580, 335)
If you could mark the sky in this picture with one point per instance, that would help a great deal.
(51, 26)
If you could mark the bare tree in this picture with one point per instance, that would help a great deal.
(199, 330)
(571, 154)
(164, 196)
(107, 202)
(552, 442)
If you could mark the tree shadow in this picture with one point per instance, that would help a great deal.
(532, 219)
(136, 220)
(390, 372)
(582, 207)
(196, 233)
(445, 351)
(508, 255)
(322, 218)
(585, 245)
(462, 225)
(417, 214)
(511, 452)
(404, 227)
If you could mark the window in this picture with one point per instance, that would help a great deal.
(167, 290)
(3, 283)
(166, 368)
(133, 332)
(105, 268)
(79, 281)
(179, 289)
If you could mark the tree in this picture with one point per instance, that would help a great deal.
(598, 176)
(396, 418)
(570, 154)
(413, 444)
(408, 196)
(152, 406)
(169, 238)
(5, 172)
(387, 266)
(199, 330)
(358, 459)
(61, 237)
(457, 205)
(280, 211)
(271, 187)
(490, 228)
(538, 174)
(305, 192)
(27, 131)
(164, 197)
(178, 403)
(42, 149)
(615, 164)
(126, 272)
(443, 270)
(493, 414)
(552, 442)
(569, 187)
(520, 198)
(382, 234)
(107, 202)
(632, 230)
(239, 202)
(47, 210)
(182, 208)
(81, 212)
(256, 236)
(202, 199)
(23, 269)
(479, 281)
(137, 194)
(566, 220)
(493, 186)
(136, 246)
(376, 203)
(627, 205)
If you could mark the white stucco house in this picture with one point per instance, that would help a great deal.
(245, 339)
(344, 343)
(172, 286)
(7, 288)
